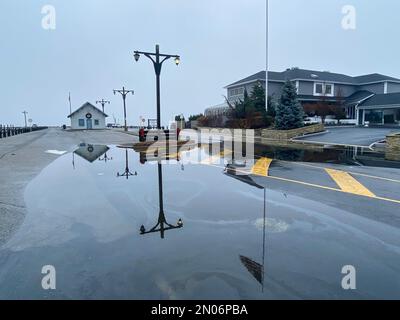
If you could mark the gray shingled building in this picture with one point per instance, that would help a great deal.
(372, 98)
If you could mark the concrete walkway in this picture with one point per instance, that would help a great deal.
(23, 157)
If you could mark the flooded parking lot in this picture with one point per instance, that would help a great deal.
(116, 223)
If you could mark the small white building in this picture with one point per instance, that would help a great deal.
(88, 117)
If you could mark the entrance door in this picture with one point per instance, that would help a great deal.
(89, 124)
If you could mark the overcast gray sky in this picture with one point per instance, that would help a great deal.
(220, 41)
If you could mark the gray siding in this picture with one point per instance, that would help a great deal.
(306, 87)
(378, 88)
(347, 90)
(393, 87)
(275, 89)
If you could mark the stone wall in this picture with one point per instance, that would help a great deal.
(290, 134)
(393, 147)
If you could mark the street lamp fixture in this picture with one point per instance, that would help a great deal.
(103, 103)
(158, 59)
(137, 56)
(124, 93)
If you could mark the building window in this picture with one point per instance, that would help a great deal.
(321, 89)
(237, 92)
(96, 122)
(328, 89)
(81, 122)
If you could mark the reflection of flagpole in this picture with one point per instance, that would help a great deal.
(264, 236)
(73, 160)
(256, 269)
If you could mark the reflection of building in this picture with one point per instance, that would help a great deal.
(363, 96)
(88, 117)
(91, 152)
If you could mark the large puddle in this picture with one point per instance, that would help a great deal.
(116, 224)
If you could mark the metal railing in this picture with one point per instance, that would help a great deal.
(7, 131)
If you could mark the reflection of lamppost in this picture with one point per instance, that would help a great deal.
(124, 93)
(162, 224)
(105, 158)
(157, 62)
(127, 172)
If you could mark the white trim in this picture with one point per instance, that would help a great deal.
(385, 87)
(384, 106)
(324, 84)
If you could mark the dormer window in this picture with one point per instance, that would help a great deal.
(321, 89)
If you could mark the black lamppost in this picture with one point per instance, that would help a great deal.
(124, 93)
(103, 103)
(127, 172)
(162, 224)
(158, 59)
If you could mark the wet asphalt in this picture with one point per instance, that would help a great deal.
(295, 225)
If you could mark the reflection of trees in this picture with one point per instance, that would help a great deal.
(289, 155)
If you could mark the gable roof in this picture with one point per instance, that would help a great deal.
(87, 104)
(311, 75)
(359, 96)
(261, 76)
(374, 77)
(382, 100)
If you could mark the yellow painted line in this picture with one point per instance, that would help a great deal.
(348, 184)
(351, 172)
(314, 185)
(215, 159)
(261, 168)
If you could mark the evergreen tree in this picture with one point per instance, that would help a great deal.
(289, 112)
(271, 108)
(258, 99)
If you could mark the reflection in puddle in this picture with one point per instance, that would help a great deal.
(162, 224)
(96, 229)
(127, 172)
(91, 152)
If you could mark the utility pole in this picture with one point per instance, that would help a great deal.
(124, 93)
(25, 113)
(103, 103)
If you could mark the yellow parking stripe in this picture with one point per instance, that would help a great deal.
(215, 159)
(261, 168)
(348, 184)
